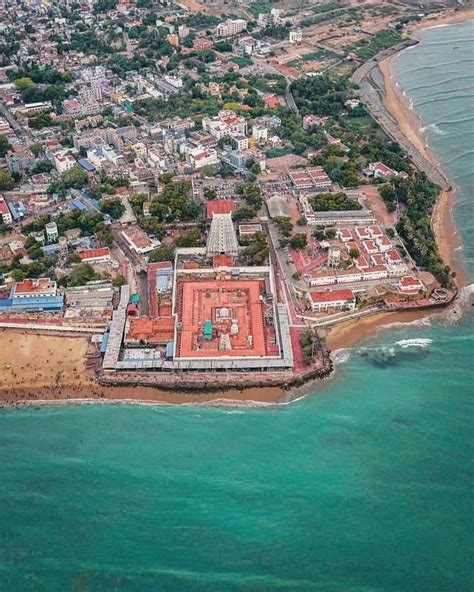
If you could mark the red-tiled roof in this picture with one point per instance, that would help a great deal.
(94, 253)
(3, 207)
(410, 282)
(36, 286)
(220, 206)
(222, 261)
(332, 296)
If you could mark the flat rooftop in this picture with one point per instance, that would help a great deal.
(223, 318)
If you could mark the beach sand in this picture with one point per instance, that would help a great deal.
(35, 367)
(444, 228)
(352, 332)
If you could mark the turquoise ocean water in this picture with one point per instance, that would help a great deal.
(365, 486)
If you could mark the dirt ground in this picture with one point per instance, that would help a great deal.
(377, 205)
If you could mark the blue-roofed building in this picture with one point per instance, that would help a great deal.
(164, 280)
(77, 204)
(51, 249)
(86, 165)
(34, 295)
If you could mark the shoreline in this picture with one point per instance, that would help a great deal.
(443, 224)
(448, 240)
(74, 384)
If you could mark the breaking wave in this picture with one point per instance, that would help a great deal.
(434, 127)
(404, 343)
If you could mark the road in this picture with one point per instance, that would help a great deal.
(16, 127)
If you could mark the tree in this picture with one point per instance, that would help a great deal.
(80, 275)
(7, 182)
(162, 253)
(24, 83)
(113, 207)
(284, 224)
(4, 146)
(74, 178)
(43, 166)
(37, 148)
(302, 221)
(244, 213)
(105, 237)
(118, 281)
(190, 238)
(299, 241)
(354, 253)
(257, 252)
(210, 193)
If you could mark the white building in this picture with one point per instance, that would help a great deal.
(242, 143)
(5, 214)
(201, 157)
(63, 162)
(260, 133)
(296, 36)
(332, 299)
(231, 27)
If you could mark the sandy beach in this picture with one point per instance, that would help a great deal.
(444, 228)
(35, 367)
(443, 225)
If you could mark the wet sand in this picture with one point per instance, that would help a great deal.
(442, 222)
(35, 367)
(444, 228)
(353, 332)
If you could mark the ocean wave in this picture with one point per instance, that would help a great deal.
(438, 83)
(459, 157)
(441, 99)
(435, 128)
(340, 356)
(420, 342)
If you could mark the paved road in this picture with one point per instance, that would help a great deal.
(16, 127)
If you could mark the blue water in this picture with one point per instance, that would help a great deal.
(366, 486)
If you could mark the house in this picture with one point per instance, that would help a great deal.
(5, 214)
(383, 243)
(377, 259)
(409, 285)
(200, 158)
(63, 162)
(370, 247)
(137, 240)
(248, 45)
(295, 36)
(332, 299)
(379, 170)
(344, 234)
(202, 43)
(95, 255)
(362, 233)
(375, 231)
(393, 257)
(40, 287)
(259, 133)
